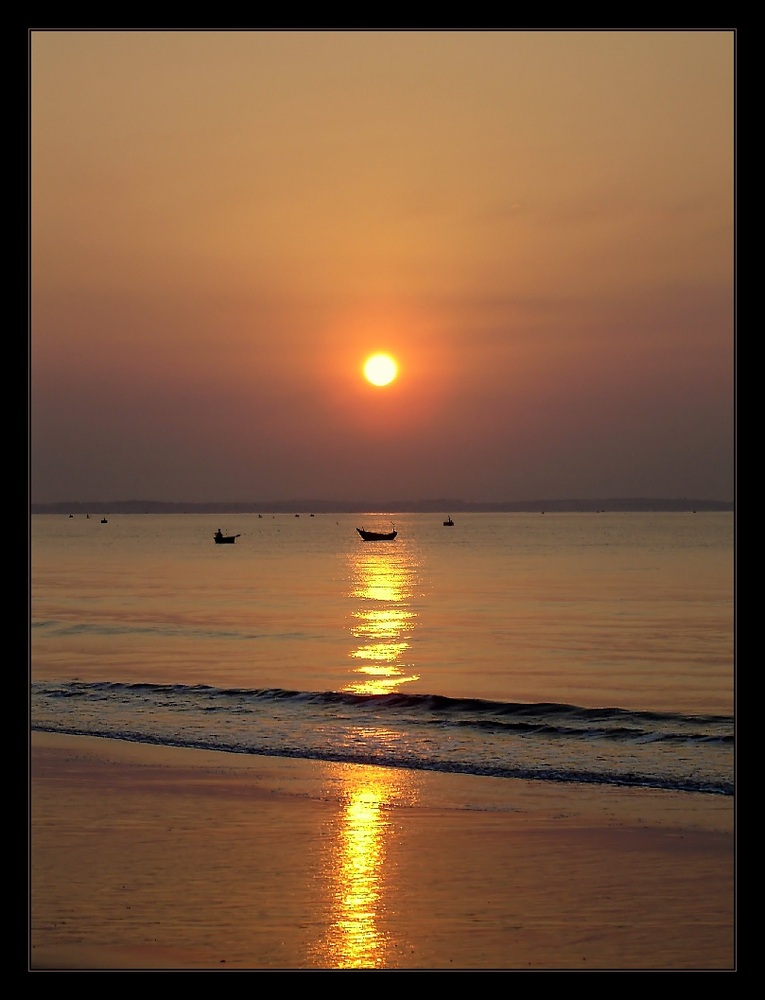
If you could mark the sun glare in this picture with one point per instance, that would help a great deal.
(380, 369)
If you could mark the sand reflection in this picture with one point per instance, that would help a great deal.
(383, 621)
(358, 866)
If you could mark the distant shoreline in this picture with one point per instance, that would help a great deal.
(609, 505)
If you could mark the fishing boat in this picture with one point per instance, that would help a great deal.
(377, 536)
(221, 539)
(449, 523)
(104, 521)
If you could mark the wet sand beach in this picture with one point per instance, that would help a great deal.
(146, 857)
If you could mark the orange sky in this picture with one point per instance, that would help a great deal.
(539, 225)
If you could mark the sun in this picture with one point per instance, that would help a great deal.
(380, 369)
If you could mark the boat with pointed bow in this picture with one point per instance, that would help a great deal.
(377, 536)
(221, 539)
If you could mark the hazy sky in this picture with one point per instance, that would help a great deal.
(538, 225)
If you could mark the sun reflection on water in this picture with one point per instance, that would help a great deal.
(358, 866)
(383, 580)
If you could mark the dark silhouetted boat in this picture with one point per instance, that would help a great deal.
(221, 539)
(449, 523)
(104, 521)
(377, 536)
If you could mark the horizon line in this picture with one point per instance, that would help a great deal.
(355, 506)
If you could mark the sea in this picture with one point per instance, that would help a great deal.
(588, 648)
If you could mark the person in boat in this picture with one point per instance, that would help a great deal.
(219, 533)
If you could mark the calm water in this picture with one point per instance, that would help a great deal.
(591, 648)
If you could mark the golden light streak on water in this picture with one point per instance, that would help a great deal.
(358, 867)
(382, 580)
